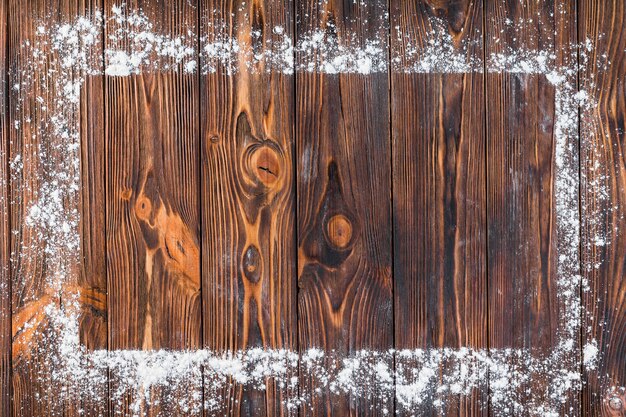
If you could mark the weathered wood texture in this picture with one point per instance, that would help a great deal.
(248, 197)
(32, 268)
(5, 229)
(439, 201)
(153, 206)
(153, 253)
(152, 234)
(248, 207)
(604, 202)
(92, 281)
(344, 202)
(524, 310)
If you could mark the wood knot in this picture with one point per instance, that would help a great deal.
(339, 231)
(126, 194)
(143, 208)
(252, 264)
(214, 139)
(265, 163)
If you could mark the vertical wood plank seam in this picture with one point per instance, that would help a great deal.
(9, 277)
(200, 206)
(107, 168)
(580, 218)
(107, 406)
(391, 211)
(296, 202)
(486, 207)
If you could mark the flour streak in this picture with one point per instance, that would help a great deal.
(432, 376)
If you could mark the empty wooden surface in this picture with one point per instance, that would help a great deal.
(439, 190)
(248, 197)
(603, 202)
(244, 206)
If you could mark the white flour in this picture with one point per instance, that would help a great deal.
(434, 376)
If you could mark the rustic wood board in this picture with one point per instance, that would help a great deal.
(251, 207)
(344, 203)
(153, 258)
(5, 229)
(28, 272)
(248, 199)
(32, 269)
(603, 202)
(153, 254)
(93, 326)
(524, 310)
(92, 281)
(439, 203)
(153, 212)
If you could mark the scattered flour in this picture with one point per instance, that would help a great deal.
(433, 376)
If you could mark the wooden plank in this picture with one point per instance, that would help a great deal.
(92, 282)
(344, 199)
(603, 200)
(152, 214)
(39, 154)
(439, 203)
(248, 195)
(153, 263)
(28, 273)
(525, 311)
(5, 229)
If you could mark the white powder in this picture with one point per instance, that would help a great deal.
(432, 376)
(590, 355)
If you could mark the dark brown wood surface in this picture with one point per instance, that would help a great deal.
(521, 215)
(439, 189)
(604, 202)
(242, 206)
(92, 281)
(248, 198)
(152, 212)
(153, 249)
(27, 272)
(344, 202)
(31, 269)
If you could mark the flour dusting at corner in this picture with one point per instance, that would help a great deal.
(421, 376)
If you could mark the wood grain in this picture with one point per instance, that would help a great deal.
(603, 202)
(153, 253)
(34, 393)
(153, 207)
(439, 202)
(248, 195)
(28, 272)
(93, 326)
(248, 207)
(5, 229)
(524, 310)
(344, 179)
